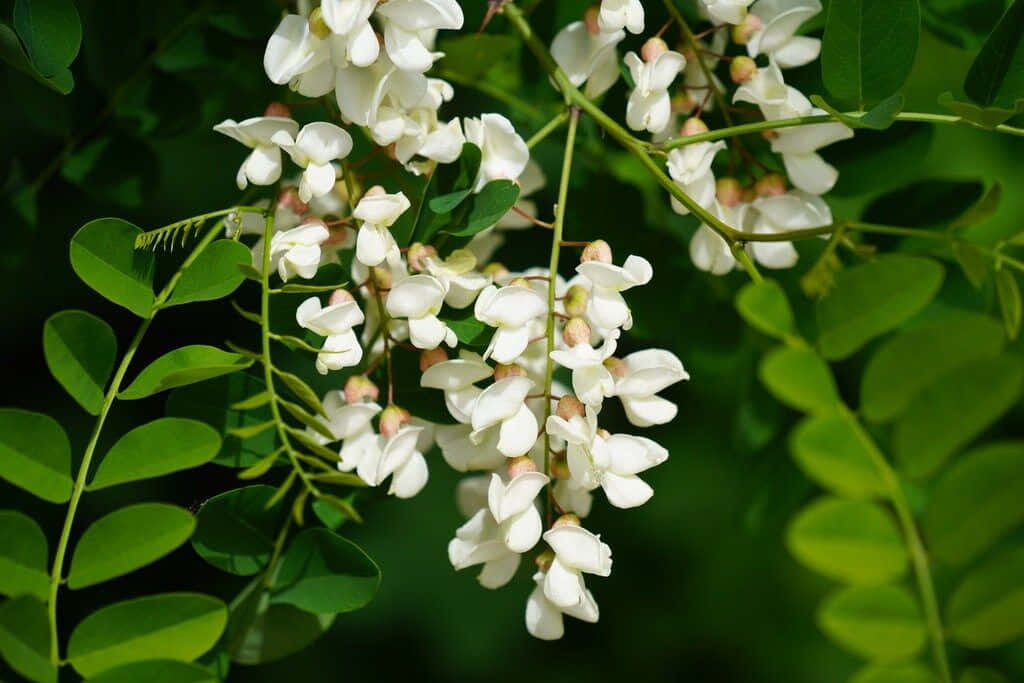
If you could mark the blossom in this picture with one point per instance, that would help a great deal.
(513, 509)
(577, 551)
(690, 168)
(419, 298)
(353, 36)
(726, 11)
(616, 15)
(378, 211)
(777, 37)
(591, 380)
(376, 96)
(335, 322)
(297, 251)
(409, 26)
(314, 148)
(400, 459)
(457, 378)
(293, 50)
(503, 153)
(478, 541)
(463, 454)
(649, 107)
(344, 420)
(605, 305)
(502, 408)
(796, 210)
(544, 618)
(456, 275)
(642, 375)
(509, 309)
(588, 58)
(572, 496)
(263, 165)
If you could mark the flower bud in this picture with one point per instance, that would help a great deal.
(769, 135)
(770, 185)
(375, 191)
(544, 560)
(742, 32)
(748, 195)
(417, 253)
(728, 191)
(380, 277)
(590, 20)
(683, 103)
(653, 48)
(495, 270)
(278, 109)
(576, 300)
(340, 296)
(359, 388)
(693, 126)
(518, 282)
(569, 407)
(391, 420)
(616, 366)
(502, 371)
(520, 465)
(568, 519)
(432, 357)
(742, 69)
(598, 250)
(559, 466)
(288, 198)
(317, 26)
(576, 332)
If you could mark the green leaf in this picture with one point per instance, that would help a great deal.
(849, 540)
(976, 502)
(996, 77)
(213, 275)
(166, 445)
(451, 184)
(51, 32)
(955, 409)
(156, 671)
(871, 299)
(869, 48)
(800, 378)
(765, 307)
(469, 330)
(127, 539)
(895, 673)
(985, 609)
(485, 208)
(881, 623)
(833, 451)
(1009, 301)
(25, 638)
(13, 54)
(179, 626)
(186, 365)
(910, 361)
(880, 117)
(980, 211)
(323, 572)
(104, 256)
(976, 674)
(35, 454)
(972, 261)
(235, 531)
(986, 117)
(80, 350)
(301, 391)
(23, 556)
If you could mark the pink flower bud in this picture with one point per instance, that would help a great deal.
(576, 332)
(569, 407)
(693, 126)
(359, 388)
(340, 296)
(417, 253)
(590, 20)
(566, 520)
(742, 69)
(598, 250)
(278, 109)
(616, 366)
(520, 465)
(317, 25)
(288, 198)
(576, 300)
(502, 371)
(770, 185)
(431, 358)
(392, 419)
(653, 48)
(728, 191)
(742, 32)
(544, 560)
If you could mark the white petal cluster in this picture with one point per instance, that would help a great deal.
(778, 21)
(341, 348)
(725, 11)
(649, 107)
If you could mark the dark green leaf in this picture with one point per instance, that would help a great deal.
(323, 572)
(35, 454)
(800, 378)
(104, 256)
(51, 32)
(186, 365)
(964, 23)
(985, 609)
(80, 350)
(764, 306)
(879, 117)
(972, 261)
(160, 447)
(23, 556)
(213, 275)
(986, 117)
(485, 208)
(156, 671)
(13, 54)
(981, 210)
(976, 674)
(996, 77)
(235, 530)
(469, 330)
(116, 167)
(834, 451)
(25, 639)
(881, 623)
(1009, 301)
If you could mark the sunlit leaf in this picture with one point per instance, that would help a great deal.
(25, 638)
(154, 449)
(213, 275)
(800, 378)
(833, 451)
(880, 623)
(186, 365)
(35, 454)
(104, 256)
(80, 350)
(764, 306)
(23, 556)
(985, 609)
(895, 673)
(156, 671)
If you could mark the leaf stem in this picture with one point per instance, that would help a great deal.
(547, 129)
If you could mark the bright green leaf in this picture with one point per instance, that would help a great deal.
(179, 626)
(764, 306)
(881, 623)
(1009, 301)
(160, 447)
(80, 350)
(51, 32)
(800, 378)
(104, 256)
(996, 77)
(23, 556)
(833, 451)
(35, 454)
(976, 674)
(126, 539)
(235, 530)
(25, 638)
(871, 299)
(156, 671)
(985, 609)
(323, 572)
(895, 673)
(213, 275)
(186, 365)
(953, 410)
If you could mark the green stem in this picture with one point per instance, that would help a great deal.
(740, 252)
(556, 248)
(282, 535)
(90, 449)
(150, 236)
(548, 128)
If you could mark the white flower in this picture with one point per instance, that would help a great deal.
(457, 378)
(297, 251)
(361, 452)
(616, 15)
(376, 96)
(726, 11)
(378, 212)
(690, 168)
(407, 25)
(645, 374)
(479, 541)
(796, 210)
(591, 380)
(588, 58)
(708, 251)
(314, 148)
(544, 618)
(577, 551)
(572, 496)
(464, 454)
(471, 494)
(263, 165)
(353, 36)
(344, 420)
(609, 462)
(456, 275)
(777, 37)
(341, 347)
(502, 408)
(293, 50)
(503, 154)
(419, 298)
(513, 509)
(649, 107)
(510, 309)
(605, 305)
(398, 458)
